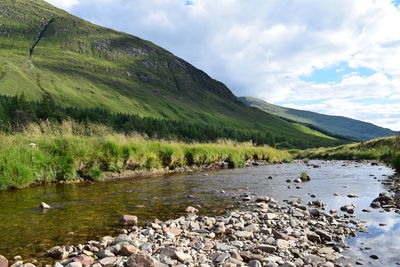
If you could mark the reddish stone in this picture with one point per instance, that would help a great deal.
(279, 235)
(3, 261)
(173, 230)
(128, 250)
(139, 260)
(84, 260)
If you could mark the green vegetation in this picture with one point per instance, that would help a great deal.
(46, 152)
(335, 126)
(384, 149)
(16, 113)
(84, 69)
(304, 176)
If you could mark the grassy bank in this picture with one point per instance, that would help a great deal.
(60, 152)
(383, 149)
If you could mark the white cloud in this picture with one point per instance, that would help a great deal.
(261, 48)
(66, 4)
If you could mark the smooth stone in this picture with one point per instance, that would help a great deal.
(191, 210)
(128, 250)
(182, 257)
(254, 263)
(288, 264)
(44, 206)
(84, 259)
(244, 234)
(105, 253)
(128, 220)
(108, 262)
(3, 261)
(74, 264)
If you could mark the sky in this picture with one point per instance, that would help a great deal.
(338, 57)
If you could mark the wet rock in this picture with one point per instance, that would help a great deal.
(44, 206)
(324, 235)
(314, 237)
(375, 205)
(374, 257)
(3, 261)
(191, 210)
(139, 260)
(348, 208)
(56, 253)
(128, 220)
(17, 264)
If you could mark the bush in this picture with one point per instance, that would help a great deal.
(396, 162)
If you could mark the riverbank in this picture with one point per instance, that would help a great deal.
(261, 232)
(384, 149)
(70, 220)
(73, 152)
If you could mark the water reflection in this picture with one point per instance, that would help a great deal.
(90, 210)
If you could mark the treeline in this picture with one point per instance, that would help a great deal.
(16, 112)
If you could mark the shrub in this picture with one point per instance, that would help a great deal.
(396, 162)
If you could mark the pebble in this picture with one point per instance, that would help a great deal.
(264, 233)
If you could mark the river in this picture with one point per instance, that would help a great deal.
(83, 212)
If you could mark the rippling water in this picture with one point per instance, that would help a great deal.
(88, 211)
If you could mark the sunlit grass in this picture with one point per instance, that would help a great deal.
(46, 153)
(384, 149)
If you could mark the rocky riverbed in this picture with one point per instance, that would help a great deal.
(262, 233)
(389, 201)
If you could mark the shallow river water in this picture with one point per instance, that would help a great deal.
(83, 212)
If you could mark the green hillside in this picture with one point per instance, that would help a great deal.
(334, 124)
(47, 53)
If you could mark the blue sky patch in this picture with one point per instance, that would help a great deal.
(396, 2)
(335, 73)
(190, 3)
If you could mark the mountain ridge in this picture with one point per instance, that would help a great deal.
(335, 124)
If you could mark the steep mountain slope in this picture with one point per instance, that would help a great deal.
(335, 124)
(46, 52)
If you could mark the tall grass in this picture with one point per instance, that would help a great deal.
(383, 149)
(47, 152)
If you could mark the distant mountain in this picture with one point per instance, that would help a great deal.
(47, 53)
(334, 124)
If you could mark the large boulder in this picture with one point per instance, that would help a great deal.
(128, 220)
